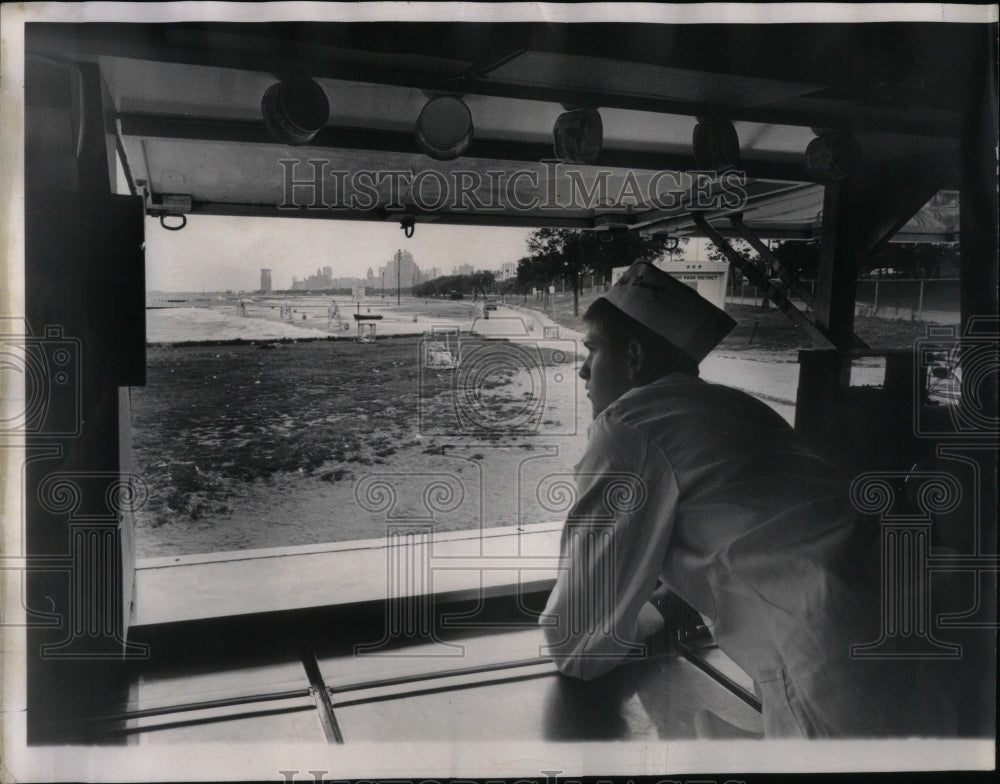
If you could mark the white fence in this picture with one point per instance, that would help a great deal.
(934, 300)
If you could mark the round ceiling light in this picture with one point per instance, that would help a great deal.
(444, 128)
(294, 110)
(716, 145)
(578, 135)
(833, 156)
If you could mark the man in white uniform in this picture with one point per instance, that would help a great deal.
(710, 491)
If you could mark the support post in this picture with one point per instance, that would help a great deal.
(978, 199)
(790, 281)
(760, 280)
(84, 298)
(860, 213)
(839, 251)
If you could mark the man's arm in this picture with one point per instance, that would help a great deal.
(612, 551)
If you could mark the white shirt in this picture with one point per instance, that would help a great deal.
(708, 489)
(711, 491)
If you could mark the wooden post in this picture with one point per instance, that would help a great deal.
(839, 254)
(84, 297)
(978, 198)
(759, 278)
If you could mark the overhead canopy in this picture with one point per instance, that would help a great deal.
(187, 105)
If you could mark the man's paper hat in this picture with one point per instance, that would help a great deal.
(671, 309)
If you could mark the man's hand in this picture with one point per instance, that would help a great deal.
(659, 599)
(650, 621)
(653, 614)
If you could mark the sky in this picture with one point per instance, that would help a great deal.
(215, 253)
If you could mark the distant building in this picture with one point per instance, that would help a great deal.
(465, 269)
(409, 276)
(265, 280)
(322, 283)
(508, 271)
(403, 268)
(314, 282)
(348, 283)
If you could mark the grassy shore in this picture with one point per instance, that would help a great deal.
(213, 420)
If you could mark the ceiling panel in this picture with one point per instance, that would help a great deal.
(577, 72)
(191, 126)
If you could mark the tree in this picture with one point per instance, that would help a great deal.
(559, 254)
(914, 260)
(740, 246)
(531, 274)
(482, 282)
(569, 254)
(798, 257)
(445, 286)
(623, 248)
(908, 259)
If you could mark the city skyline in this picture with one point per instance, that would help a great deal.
(215, 253)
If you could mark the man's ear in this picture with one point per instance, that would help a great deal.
(635, 359)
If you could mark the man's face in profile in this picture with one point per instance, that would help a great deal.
(606, 370)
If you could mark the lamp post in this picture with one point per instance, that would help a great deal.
(382, 277)
(398, 253)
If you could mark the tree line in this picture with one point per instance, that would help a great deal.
(476, 285)
(905, 259)
(570, 256)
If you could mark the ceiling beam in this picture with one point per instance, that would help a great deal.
(402, 142)
(527, 221)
